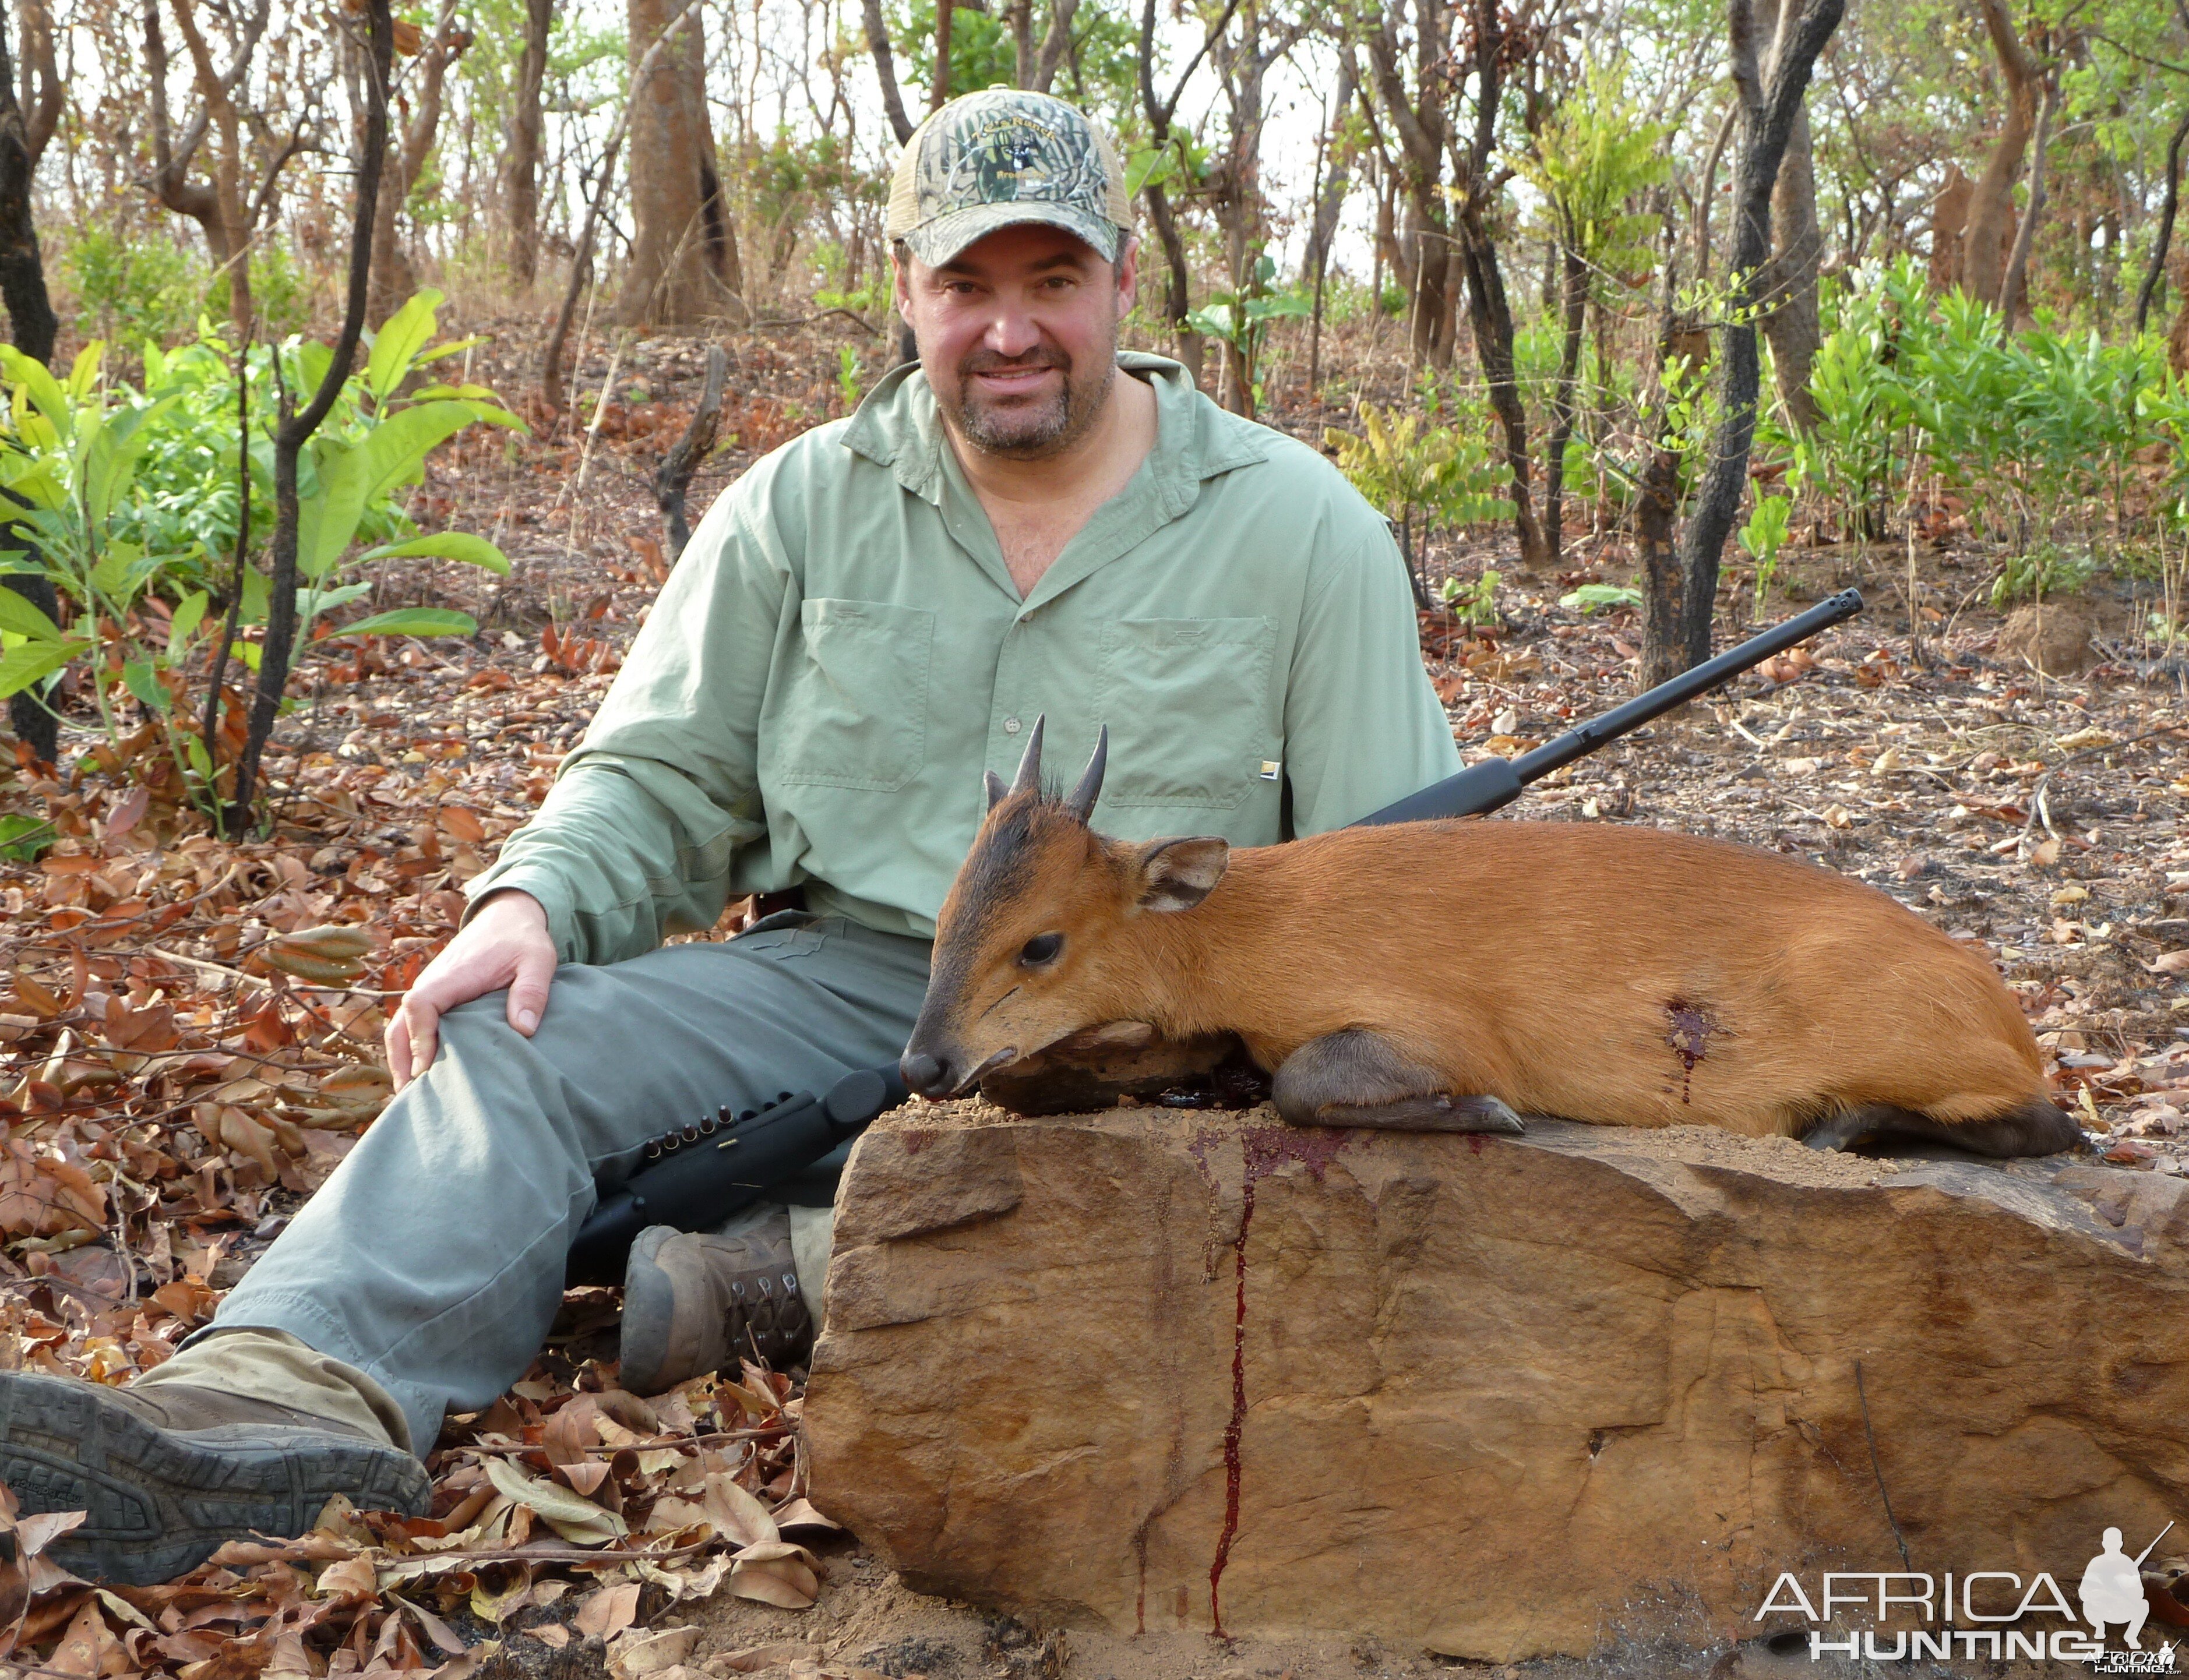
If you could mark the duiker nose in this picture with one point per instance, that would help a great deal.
(924, 1073)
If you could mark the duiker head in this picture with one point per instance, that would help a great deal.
(1042, 934)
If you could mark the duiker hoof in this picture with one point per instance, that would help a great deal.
(1439, 1113)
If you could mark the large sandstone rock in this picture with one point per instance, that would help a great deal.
(1497, 1398)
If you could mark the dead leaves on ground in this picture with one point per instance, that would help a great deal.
(567, 1496)
(190, 1031)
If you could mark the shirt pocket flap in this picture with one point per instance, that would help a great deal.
(1189, 709)
(855, 709)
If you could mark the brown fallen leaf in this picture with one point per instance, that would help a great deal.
(607, 1612)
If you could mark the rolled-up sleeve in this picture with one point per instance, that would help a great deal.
(1363, 726)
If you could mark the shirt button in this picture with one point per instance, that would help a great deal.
(1010, 725)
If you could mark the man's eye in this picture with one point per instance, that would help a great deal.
(1041, 948)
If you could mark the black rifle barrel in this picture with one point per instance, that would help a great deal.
(1495, 781)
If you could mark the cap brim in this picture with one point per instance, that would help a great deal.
(935, 241)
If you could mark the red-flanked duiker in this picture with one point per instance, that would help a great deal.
(1454, 975)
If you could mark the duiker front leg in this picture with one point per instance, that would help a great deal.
(1355, 1079)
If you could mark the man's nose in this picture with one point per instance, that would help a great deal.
(1011, 332)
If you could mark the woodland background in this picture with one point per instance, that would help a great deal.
(368, 366)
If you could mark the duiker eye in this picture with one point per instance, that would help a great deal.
(1041, 948)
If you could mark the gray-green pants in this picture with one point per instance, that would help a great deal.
(430, 1263)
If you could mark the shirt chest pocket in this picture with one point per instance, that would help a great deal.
(856, 715)
(1187, 701)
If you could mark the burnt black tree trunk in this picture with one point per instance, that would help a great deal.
(1767, 106)
(1489, 313)
(295, 427)
(2164, 236)
(31, 328)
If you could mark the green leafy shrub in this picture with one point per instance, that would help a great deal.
(127, 496)
(129, 290)
(1440, 477)
(2040, 573)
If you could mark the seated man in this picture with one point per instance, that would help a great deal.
(869, 619)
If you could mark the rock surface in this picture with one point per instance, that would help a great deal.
(1494, 1398)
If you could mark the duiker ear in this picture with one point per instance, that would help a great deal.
(1177, 874)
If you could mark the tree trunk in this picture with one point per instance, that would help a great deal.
(1793, 326)
(1176, 298)
(2164, 237)
(1432, 305)
(684, 262)
(233, 264)
(1950, 217)
(1573, 305)
(2014, 289)
(1055, 43)
(520, 164)
(32, 328)
(938, 86)
(1990, 230)
(33, 325)
(1487, 312)
(1019, 13)
(394, 279)
(295, 428)
(1663, 636)
(1770, 102)
(1491, 318)
(877, 44)
(42, 95)
(1336, 182)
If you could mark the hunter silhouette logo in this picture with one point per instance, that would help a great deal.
(2113, 1590)
(1980, 1613)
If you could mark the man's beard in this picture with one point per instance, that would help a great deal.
(1020, 430)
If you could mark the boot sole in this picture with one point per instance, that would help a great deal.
(162, 1501)
(649, 1308)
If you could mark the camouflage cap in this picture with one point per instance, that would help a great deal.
(996, 159)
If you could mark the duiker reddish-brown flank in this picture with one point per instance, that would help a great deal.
(1455, 975)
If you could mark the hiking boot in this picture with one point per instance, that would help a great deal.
(170, 1473)
(694, 1302)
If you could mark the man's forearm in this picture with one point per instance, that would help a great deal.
(625, 852)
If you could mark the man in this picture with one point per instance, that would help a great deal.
(1026, 523)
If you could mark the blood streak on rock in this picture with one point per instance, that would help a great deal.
(1266, 1149)
(917, 1138)
(1690, 1035)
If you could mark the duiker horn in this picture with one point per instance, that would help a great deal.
(1028, 779)
(1081, 801)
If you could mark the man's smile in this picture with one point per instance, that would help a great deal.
(1011, 381)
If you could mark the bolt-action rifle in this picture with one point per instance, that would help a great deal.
(1483, 787)
(696, 1176)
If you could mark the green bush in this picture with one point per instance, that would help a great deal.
(128, 291)
(130, 494)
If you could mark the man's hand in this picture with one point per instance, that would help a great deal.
(506, 943)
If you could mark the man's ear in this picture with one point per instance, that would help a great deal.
(1129, 275)
(900, 270)
(1177, 874)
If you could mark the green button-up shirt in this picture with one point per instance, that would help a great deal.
(840, 653)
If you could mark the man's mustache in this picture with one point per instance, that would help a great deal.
(987, 361)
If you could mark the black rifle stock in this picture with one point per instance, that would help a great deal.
(696, 1176)
(1483, 787)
